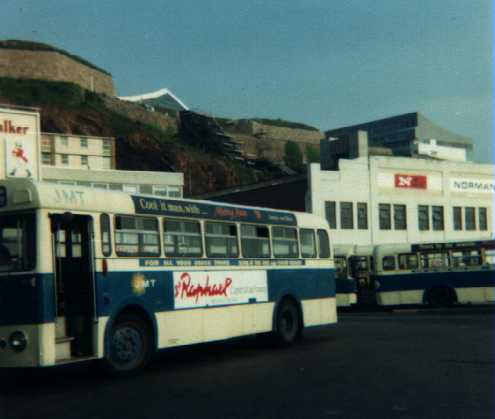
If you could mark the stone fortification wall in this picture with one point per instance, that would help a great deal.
(274, 132)
(53, 66)
(268, 141)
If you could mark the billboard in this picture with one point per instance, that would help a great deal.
(20, 135)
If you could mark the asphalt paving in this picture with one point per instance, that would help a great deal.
(378, 364)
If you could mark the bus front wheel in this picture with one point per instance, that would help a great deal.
(288, 324)
(129, 346)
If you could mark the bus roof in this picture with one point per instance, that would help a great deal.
(23, 194)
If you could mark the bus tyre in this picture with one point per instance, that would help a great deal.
(288, 323)
(129, 346)
(441, 297)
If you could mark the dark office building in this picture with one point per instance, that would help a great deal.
(405, 134)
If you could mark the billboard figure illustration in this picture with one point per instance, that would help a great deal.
(21, 160)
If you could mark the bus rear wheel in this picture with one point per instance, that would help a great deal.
(441, 297)
(288, 325)
(129, 346)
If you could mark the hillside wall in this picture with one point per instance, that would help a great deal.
(53, 66)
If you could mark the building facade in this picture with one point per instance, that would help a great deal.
(373, 200)
(77, 151)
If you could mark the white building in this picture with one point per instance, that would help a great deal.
(384, 199)
(82, 151)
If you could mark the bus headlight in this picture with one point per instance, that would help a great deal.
(18, 341)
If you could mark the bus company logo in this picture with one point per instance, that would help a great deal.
(410, 181)
(140, 284)
(185, 289)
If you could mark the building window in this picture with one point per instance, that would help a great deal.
(457, 216)
(130, 188)
(331, 213)
(362, 216)
(64, 141)
(84, 160)
(64, 158)
(437, 216)
(346, 216)
(400, 221)
(384, 214)
(174, 192)
(107, 147)
(423, 217)
(46, 158)
(160, 190)
(482, 219)
(84, 142)
(470, 218)
(106, 163)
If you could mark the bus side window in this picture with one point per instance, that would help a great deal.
(182, 238)
(285, 244)
(490, 256)
(308, 244)
(435, 260)
(472, 258)
(221, 240)
(408, 261)
(388, 263)
(255, 241)
(323, 244)
(106, 241)
(136, 236)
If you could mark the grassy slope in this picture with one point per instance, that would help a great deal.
(67, 108)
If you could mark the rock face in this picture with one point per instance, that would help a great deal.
(29, 60)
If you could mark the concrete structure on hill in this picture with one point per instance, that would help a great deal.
(32, 60)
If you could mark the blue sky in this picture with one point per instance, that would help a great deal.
(322, 62)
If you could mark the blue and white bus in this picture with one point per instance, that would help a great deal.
(438, 274)
(346, 285)
(93, 274)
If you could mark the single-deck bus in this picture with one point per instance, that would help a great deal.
(438, 274)
(93, 274)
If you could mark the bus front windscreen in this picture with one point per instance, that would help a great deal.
(17, 246)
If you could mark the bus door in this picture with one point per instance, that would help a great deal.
(360, 269)
(74, 276)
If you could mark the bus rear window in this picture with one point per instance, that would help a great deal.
(323, 244)
(17, 245)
